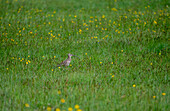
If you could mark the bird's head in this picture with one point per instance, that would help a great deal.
(69, 55)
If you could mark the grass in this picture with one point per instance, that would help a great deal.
(123, 48)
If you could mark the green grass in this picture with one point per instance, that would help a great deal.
(123, 47)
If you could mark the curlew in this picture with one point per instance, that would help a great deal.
(67, 61)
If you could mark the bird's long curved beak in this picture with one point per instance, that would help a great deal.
(76, 56)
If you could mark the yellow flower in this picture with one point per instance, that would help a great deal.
(26, 62)
(112, 63)
(52, 69)
(59, 67)
(57, 109)
(76, 106)
(85, 53)
(163, 94)
(70, 65)
(159, 53)
(151, 63)
(59, 92)
(100, 62)
(103, 16)
(113, 76)
(79, 110)
(6, 68)
(134, 85)
(121, 50)
(70, 109)
(62, 100)
(48, 108)
(27, 105)
(154, 97)
(29, 61)
(155, 22)
(114, 9)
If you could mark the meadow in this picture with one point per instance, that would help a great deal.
(123, 47)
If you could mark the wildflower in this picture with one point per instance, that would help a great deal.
(121, 50)
(134, 85)
(57, 109)
(75, 16)
(155, 22)
(154, 97)
(48, 108)
(9, 24)
(144, 23)
(70, 65)
(79, 110)
(151, 63)
(85, 53)
(114, 9)
(159, 53)
(59, 92)
(80, 30)
(163, 94)
(62, 100)
(27, 105)
(70, 109)
(100, 62)
(59, 67)
(76, 106)
(54, 56)
(26, 62)
(52, 69)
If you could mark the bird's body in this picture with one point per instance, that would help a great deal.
(67, 61)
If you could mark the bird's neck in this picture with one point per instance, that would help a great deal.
(69, 57)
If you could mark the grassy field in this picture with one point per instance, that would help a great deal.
(123, 47)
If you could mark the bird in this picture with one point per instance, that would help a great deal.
(67, 61)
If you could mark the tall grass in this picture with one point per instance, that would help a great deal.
(123, 48)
